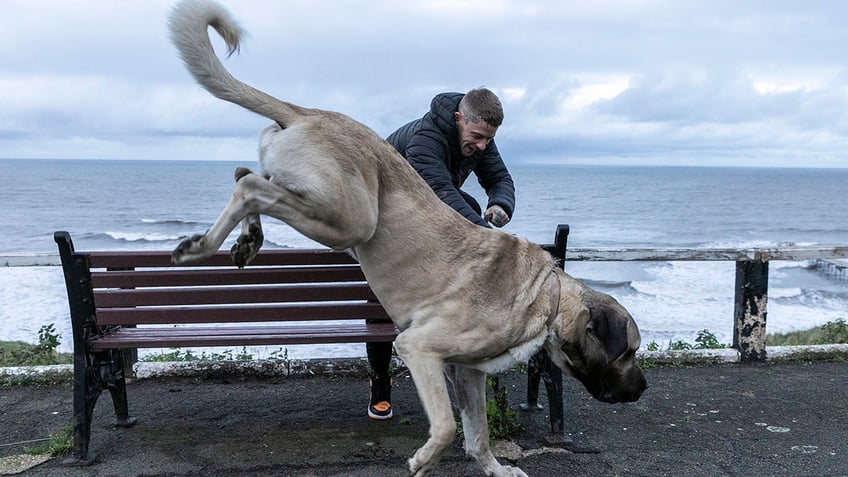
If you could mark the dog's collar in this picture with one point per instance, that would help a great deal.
(555, 291)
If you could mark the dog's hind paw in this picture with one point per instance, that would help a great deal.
(190, 250)
(247, 245)
(510, 471)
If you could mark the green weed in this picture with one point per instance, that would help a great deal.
(17, 353)
(836, 331)
(832, 332)
(503, 421)
(188, 355)
(707, 340)
(59, 443)
(704, 340)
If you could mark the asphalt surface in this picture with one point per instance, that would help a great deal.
(719, 420)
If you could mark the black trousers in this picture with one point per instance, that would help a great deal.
(379, 358)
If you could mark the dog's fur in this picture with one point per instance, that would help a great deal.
(469, 300)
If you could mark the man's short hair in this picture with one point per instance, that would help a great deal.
(480, 103)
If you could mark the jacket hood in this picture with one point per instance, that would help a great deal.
(442, 108)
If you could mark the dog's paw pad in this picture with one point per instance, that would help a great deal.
(238, 256)
(189, 249)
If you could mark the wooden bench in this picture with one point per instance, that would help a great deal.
(121, 301)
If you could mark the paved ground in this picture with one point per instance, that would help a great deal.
(720, 420)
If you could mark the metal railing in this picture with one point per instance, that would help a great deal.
(751, 289)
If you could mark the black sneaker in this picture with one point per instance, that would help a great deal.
(380, 407)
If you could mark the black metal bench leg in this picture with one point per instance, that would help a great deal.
(553, 386)
(540, 368)
(113, 378)
(86, 391)
(96, 372)
(534, 377)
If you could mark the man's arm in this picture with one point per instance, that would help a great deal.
(496, 180)
(426, 153)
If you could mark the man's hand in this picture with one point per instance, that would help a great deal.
(496, 216)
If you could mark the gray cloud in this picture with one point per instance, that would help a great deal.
(658, 82)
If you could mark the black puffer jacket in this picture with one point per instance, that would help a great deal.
(431, 145)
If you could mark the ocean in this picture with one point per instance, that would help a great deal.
(137, 205)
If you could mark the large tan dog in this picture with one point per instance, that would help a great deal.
(469, 300)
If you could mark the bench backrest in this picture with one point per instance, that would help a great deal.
(130, 288)
(143, 287)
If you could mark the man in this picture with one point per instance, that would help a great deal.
(455, 138)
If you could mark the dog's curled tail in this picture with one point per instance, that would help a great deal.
(188, 24)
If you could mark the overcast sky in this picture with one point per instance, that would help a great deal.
(713, 82)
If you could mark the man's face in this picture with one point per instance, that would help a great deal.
(473, 137)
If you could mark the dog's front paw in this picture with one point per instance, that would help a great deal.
(418, 469)
(190, 250)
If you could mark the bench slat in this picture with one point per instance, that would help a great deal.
(229, 276)
(112, 298)
(352, 332)
(159, 258)
(239, 313)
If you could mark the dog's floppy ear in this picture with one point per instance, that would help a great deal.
(611, 332)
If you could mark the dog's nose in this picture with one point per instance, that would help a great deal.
(637, 393)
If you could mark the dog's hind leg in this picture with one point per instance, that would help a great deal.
(251, 238)
(470, 388)
(256, 195)
(200, 247)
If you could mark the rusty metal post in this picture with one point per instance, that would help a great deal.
(750, 310)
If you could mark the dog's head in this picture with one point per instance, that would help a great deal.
(595, 340)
